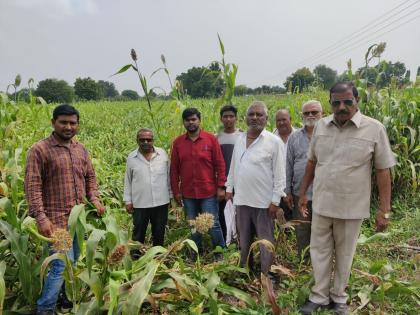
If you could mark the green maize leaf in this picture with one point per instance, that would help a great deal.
(222, 47)
(89, 308)
(6, 206)
(212, 282)
(239, 294)
(75, 213)
(47, 261)
(123, 69)
(413, 175)
(196, 309)
(113, 295)
(191, 244)
(412, 137)
(140, 290)
(112, 226)
(18, 248)
(365, 295)
(94, 283)
(156, 71)
(2, 284)
(91, 247)
(364, 240)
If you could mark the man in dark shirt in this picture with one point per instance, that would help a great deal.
(227, 138)
(197, 174)
(58, 176)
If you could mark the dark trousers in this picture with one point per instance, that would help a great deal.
(303, 230)
(251, 219)
(288, 213)
(157, 216)
(222, 205)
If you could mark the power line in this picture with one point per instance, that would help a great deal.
(326, 57)
(321, 54)
(367, 41)
(360, 30)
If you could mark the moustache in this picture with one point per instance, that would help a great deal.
(342, 112)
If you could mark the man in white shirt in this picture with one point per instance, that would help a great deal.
(146, 189)
(283, 130)
(257, 175)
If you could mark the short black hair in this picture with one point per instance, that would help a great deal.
(188, 112)
(228, 108)
(65, 109)
(343, 86)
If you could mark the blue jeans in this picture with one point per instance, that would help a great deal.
(53, 283)
(193, 207)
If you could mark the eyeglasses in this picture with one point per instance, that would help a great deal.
(313, 113)
(337, 103)
(143, 140)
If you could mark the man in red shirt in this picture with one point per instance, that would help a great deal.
(198, 174)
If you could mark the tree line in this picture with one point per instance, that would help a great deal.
(208, 82)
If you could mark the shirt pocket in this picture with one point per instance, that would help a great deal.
(205, 152)
(357, 151)
(160, 168)
(261, 157)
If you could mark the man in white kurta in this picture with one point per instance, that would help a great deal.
(257, 175)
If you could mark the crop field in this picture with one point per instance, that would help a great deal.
(386, 270)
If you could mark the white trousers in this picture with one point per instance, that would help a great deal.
(332, 240)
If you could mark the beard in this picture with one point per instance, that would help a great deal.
(309, 122)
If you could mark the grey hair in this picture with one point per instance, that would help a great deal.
(312, 102)
(283, 110)
(144, 130)
(258, 104)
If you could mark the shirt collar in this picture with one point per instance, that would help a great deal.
(140, 155)
(199, 135)
(53, 141)
(356, 119)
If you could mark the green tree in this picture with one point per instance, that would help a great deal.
(87, 89)
(130, 94)
(300, 79)
(55, 91)
(325, 75)
(381, 74)
(108, 89)
(202, 81)
(241, 90)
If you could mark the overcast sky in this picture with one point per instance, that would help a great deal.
(268, 39)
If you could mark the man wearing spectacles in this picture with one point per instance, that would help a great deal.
(297, 151)
(146, 189)
(343, 148)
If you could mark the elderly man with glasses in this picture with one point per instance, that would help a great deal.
(297, 151)
(343, 149)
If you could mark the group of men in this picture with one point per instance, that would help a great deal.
(261, 172)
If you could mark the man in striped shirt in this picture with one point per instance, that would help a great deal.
(59, 175)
